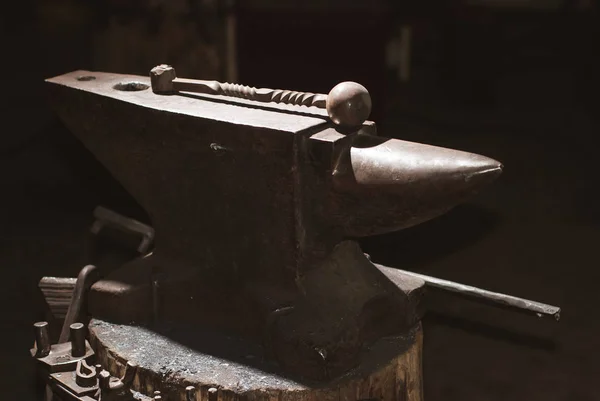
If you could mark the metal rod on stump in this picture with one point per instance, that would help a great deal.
(77, 339)
(42, 340)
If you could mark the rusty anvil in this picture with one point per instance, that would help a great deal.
(256, 208)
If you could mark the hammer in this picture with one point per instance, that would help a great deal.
(348, 104)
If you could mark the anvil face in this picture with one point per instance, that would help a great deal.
(253, 206)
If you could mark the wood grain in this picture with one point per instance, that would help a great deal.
(57, 292)
(381, 376)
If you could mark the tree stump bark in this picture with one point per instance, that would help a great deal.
(390, 370)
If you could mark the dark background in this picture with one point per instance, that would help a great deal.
(518, 83)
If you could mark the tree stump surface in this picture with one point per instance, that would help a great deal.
(170, 358)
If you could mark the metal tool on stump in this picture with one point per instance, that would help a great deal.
(348, 104)
(256, 288)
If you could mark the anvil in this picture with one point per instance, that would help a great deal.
(256, 208)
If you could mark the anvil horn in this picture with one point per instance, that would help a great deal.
(398, 184)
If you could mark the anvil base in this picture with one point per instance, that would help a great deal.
(190, 356)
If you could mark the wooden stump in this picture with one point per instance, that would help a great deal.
(390, 370)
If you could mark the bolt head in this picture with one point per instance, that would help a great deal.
(348, 104)
(161, 78)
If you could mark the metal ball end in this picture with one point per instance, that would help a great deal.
(348, 104)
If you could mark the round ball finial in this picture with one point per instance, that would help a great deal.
(348, 104)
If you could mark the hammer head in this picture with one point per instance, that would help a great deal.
(161, 79)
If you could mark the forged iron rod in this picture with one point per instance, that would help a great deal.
(165, 81)
(247, 92)
(348, 103)
(87, 276)
(537, 308)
